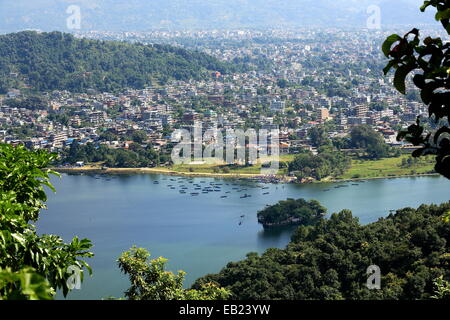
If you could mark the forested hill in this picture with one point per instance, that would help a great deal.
(49, 61)
(329, 260)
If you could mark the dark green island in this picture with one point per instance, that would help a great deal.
(292, 212)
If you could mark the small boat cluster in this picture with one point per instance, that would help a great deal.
(345, 185)
(194, 187)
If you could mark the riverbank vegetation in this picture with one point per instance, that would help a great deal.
(327, 163)
(328, 261)
(135, 156)
(365, 138)
(401, 166)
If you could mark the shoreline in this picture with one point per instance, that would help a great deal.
(281, 178)
(98, 170)
(417, 175)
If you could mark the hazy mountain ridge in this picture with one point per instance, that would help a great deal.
(141, 15)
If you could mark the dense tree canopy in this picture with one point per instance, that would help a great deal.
(33, 102)
(328, 162)
(135, 156)
(319, 136)
(150, 281)
(330, 260)
(364, 137)
(291, 211)
(49, 61)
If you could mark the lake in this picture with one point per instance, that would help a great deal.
(200, 233)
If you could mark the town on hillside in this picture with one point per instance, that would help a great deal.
(297, 81)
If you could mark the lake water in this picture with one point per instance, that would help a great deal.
(200, 234)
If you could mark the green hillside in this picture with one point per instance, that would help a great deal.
(329, 260)
(58, 61)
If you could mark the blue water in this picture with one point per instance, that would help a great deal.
(200, 234)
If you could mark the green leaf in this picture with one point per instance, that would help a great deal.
(442, 15)
(49, 185)
(446, 217)
(440, 132)
(19, 238)
(387, 44)
(389, 67)
(425, 5)
(23, 195)
(400, 77)
(419, 81)
(417, 153)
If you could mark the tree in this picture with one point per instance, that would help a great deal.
(150, 281)
(329, 162)
(429, 61)
(31, 266)
(32, 102)
(139, 136)
(134, 157)
(318, 136)
(442, 289)
(292, 212)
(341, 143)
(329, 260)
(56, 61)
(108, 136)
(282, 83)
(364, 137)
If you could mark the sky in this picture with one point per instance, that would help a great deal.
(145, 15)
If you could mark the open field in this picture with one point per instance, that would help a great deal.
(360, 169)
(389, 167)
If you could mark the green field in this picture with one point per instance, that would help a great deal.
(360, 169)
(389, 167)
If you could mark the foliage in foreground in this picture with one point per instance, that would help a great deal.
(429, 61)
(31, 266)
(150, 281)
(329, 260)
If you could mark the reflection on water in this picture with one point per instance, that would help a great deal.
(275, 235)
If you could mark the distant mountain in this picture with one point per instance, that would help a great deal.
(48, 61)
(142, 15)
